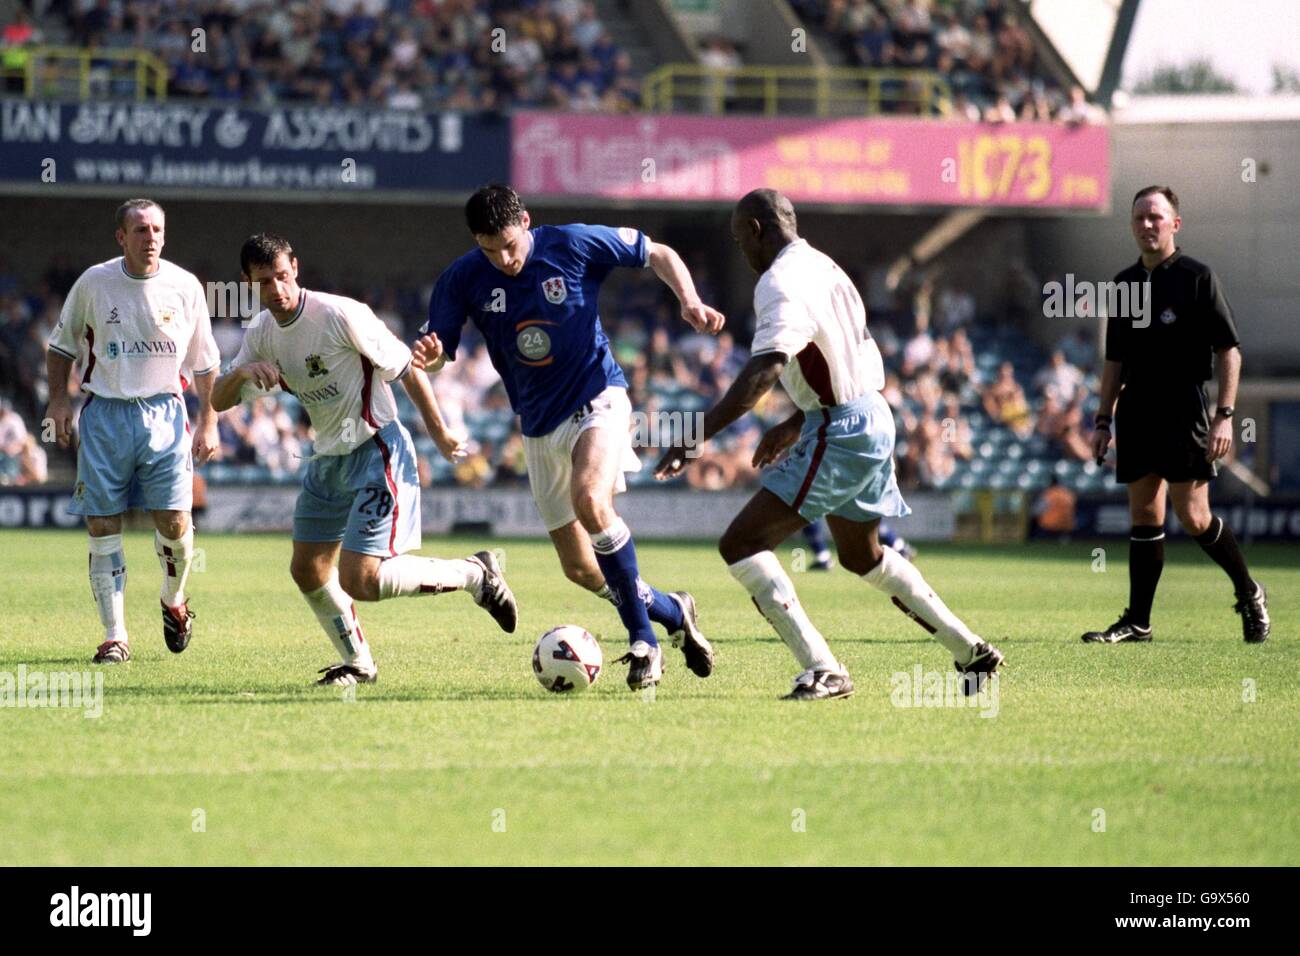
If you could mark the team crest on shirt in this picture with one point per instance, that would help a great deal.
(554, 290)
(164, 316)
(1167, 316)
(314, 367)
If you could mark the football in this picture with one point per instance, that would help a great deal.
(567, 659)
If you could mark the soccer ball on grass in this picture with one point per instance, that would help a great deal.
(567, 659)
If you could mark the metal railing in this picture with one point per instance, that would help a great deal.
(794, 90)
(56, 72)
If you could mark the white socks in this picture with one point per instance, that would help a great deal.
(900, 579)
(612, 538)
(108, 576)
(108, 584)
(338, 617)
(402, 576)
(770, 587)
(411, 576)
(175, 558)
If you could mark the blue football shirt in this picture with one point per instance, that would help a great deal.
(541, 327)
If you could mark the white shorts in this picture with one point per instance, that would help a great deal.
(550, 457)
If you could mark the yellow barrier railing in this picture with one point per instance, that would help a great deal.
(73, 72)
(784, 90)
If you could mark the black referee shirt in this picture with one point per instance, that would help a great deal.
(1190, 318)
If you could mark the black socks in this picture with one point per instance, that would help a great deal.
(1220, 543)
(1146, 559)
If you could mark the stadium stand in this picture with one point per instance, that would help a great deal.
(980, 46)
(402, 54)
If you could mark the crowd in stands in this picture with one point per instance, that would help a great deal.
(402, 54)
(981, 47)
(941, 390)
(500, 54)
(22, 459)
(946, 382)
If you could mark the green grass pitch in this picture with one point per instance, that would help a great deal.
(1179, 752)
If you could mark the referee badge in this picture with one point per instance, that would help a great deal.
(1167, 316)
(554, 290)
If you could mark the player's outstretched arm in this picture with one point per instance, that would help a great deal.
(207, 441)
(226, 393)
(754, 381)
(669, 267)
(416, 383)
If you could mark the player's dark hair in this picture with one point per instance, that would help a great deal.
(1163, 191)
(492, 209)
(125, 209)
(262, 250)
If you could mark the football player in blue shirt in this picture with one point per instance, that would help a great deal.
(532, 294)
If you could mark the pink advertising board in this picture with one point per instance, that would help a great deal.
(874, 162)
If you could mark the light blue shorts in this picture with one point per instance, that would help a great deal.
(133, 453)
(842, 464)
(369, 498)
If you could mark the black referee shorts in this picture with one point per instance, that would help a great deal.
(1163, 429)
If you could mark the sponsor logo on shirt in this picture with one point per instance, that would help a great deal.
(148, 348)
(627, 234)
(554, 290)
(314, 367)
(139, 349)
(113, 317)
(533, 343)
(318, 396)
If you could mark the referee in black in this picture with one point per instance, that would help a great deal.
(1165, 434)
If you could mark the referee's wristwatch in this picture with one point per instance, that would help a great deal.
(1225, 410)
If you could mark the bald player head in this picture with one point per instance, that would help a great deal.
(763, 223)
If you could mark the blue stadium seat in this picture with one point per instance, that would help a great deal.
(219, 473)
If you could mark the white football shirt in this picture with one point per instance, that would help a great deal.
(808, 309)
(136, 336)
(336, 357)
